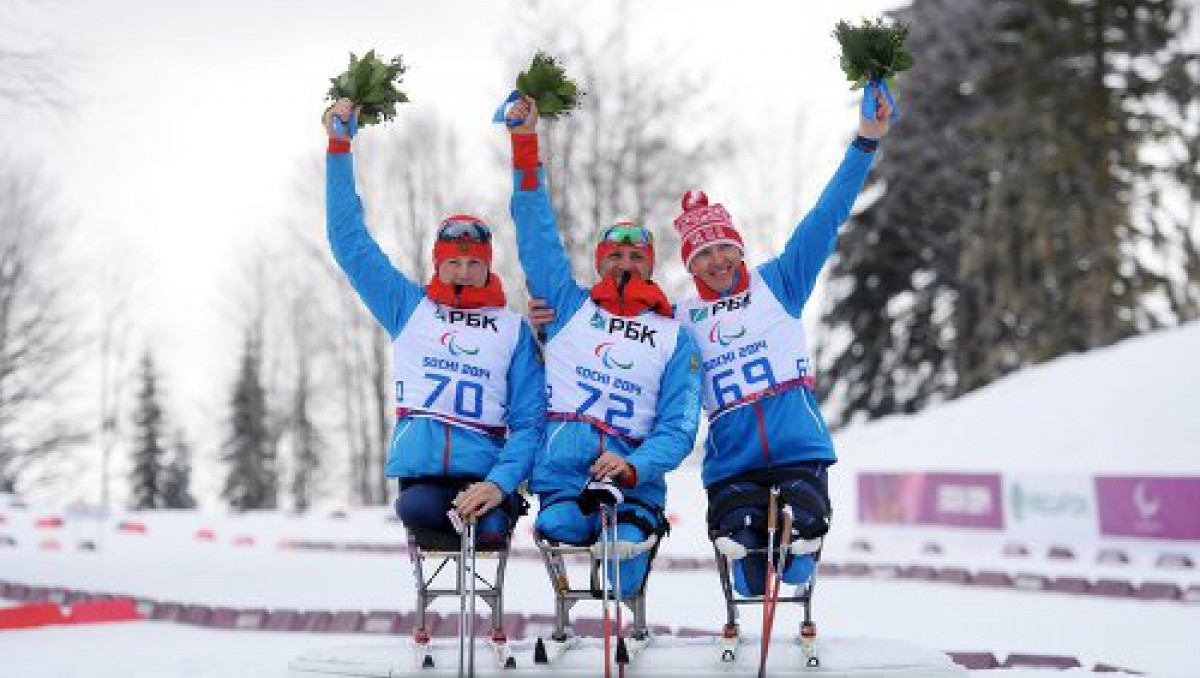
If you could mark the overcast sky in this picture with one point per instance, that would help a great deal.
(190, 120)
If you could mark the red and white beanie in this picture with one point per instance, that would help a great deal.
(701, 225)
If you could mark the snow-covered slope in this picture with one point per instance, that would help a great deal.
(1131, 407)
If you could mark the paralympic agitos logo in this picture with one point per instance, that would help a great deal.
(721, 335)
(448, 340)
(604, 353)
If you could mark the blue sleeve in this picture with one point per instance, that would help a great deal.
(526, 414)
(389, 295)
(540, 248)
(793, 273)
(678, 417)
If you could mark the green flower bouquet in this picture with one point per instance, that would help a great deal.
(546, 81)
(872, 55)
(372, 83)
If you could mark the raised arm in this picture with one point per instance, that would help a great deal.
(794, 272)
(539, 246)
(386, 292)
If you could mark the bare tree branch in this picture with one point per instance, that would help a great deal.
(31, 70)
(37, 342)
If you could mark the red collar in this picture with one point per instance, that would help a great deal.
(741, 281)
(639, 296)
(490, 295)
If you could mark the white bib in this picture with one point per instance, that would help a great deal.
(748, 343)
(453, 363)
(608, 368)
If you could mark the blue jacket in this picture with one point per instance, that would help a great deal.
(562, 464)
(422, 446)
(788, 427)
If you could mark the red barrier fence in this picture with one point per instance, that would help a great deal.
(90, 608)
(100, 610)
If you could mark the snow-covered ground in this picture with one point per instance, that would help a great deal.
(166, 563)
(1127, 409)
(1131, 407)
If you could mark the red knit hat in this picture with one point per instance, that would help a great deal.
(701, 225)
(463, 235)
(625, 232)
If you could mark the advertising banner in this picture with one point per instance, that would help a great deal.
(970, 500)
(1050, 506)
(1154, 507)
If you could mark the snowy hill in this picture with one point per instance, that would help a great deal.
(1087, 451)
(1131, 407)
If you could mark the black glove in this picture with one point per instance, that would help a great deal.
(599, 493)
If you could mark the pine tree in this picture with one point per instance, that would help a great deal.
(307, 445)
(1011, 228)
(1074, 95)
(177, 474)
(894, 274)
(249, 483)
(1178, 227)
(145, 478)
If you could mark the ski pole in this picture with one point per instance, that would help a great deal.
(622, 652)
(769, 606)
(772, 503)
(471, 599)
(462, 602)
(606, 582)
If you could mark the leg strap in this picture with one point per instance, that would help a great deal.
(660, 527)
(803, 487)
(514, 506)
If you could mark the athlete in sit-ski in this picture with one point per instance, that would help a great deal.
(764, 426)
(468, 382)
(622, 376)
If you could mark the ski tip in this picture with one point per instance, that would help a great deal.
(539, 653)
(622, 652)
(728, 656)
(427, 662)
(510, 663)
(812, 662)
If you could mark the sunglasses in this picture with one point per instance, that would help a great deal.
(628, 235)
(459, 230)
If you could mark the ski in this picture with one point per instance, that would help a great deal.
(550, 650)
(629, 648)
(500, 648)
(729, 643)
(504, 655)
(808, 645)
(424, 649)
